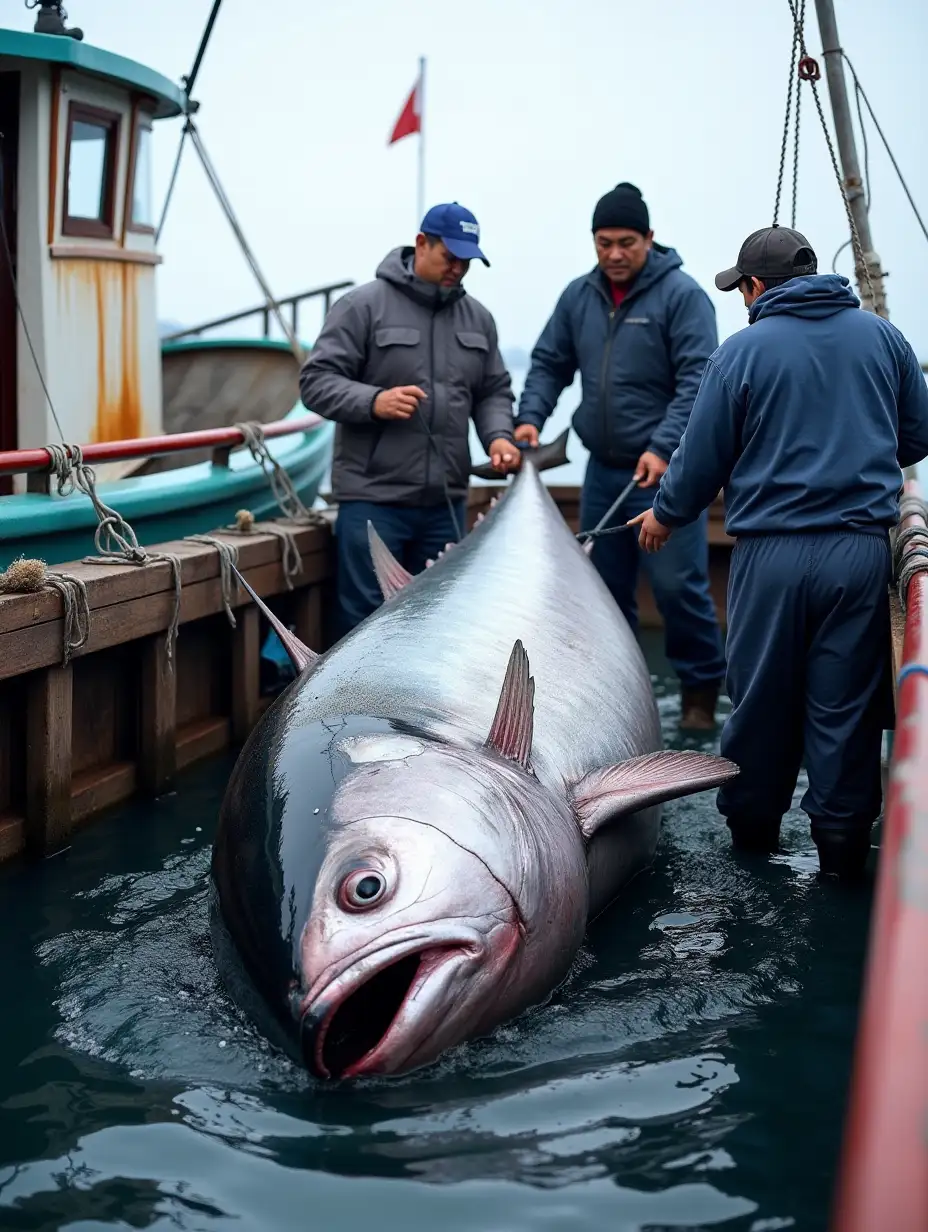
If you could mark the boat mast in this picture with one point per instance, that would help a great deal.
(847, 149)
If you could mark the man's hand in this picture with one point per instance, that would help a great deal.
(398, 403)
(654, 534)
(649, 470)
(528, 433)
(504, 456)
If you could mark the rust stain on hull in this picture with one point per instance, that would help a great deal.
(104, 297)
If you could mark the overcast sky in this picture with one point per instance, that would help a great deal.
(533, 109)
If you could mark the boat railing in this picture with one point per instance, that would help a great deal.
(264, 310)
(38, 463)
(883, 1174)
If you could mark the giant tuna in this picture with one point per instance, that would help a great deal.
(418, 830)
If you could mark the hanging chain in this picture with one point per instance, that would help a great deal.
(802, 15)
(809, 71)
(789, 109)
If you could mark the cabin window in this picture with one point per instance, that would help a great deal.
(142, 213)
(90, 175)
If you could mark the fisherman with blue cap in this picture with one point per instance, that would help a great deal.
(402, 365)
(804, 419)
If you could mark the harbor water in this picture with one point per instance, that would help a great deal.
(691, 1073)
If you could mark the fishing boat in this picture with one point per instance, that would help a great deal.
(81, 358)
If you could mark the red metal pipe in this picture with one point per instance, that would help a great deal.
(883, 1174)
(22, 461)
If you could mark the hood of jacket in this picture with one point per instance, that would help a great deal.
(397, 269)
(813, 297)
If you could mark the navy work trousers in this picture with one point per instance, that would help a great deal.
(678, 575)
(413, 535)
(808, 675)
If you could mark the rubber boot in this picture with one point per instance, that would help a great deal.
(842, 852)
(698, 707)
(755, 834)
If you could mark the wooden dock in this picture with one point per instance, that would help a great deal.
(117, 720)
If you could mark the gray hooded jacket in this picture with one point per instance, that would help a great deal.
(399, 330)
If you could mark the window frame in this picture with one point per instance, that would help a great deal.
(140, 120)
(94, 228)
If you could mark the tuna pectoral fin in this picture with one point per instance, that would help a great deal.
(391, 576)
(300, 656)
(602, 795)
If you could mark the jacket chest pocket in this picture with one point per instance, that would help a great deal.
(470, 357)
(396, 357)
(640, 345)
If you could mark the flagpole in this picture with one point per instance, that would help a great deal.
(421, 108)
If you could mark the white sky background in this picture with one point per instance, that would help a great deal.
(533, 110)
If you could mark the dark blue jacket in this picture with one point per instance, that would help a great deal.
(804, 418)
(640, 364)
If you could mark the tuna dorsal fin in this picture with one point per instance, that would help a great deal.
(391, 576)
(300, 656)
(603, 795)
(511, 733)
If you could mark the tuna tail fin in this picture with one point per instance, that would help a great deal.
(543, 458)
(300, 656)
(391, 576)
(603, 795)
(513, 724)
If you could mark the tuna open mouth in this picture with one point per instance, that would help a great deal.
(337, 1037)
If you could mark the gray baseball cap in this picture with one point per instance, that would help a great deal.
(772, 252)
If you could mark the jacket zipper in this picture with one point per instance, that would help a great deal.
(430, 423)
(607, 351)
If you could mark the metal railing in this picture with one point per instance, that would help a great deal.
(292, 302)
(220, 440)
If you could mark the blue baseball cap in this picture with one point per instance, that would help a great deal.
(457, 228)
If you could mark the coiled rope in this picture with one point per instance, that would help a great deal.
(910, 546)
(26, 576)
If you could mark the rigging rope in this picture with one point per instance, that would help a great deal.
(226, 207)
(114, 538)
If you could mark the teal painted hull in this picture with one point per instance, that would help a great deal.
(169, 505)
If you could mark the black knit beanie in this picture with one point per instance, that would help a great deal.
(623, 207)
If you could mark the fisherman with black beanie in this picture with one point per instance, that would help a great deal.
(639, 331)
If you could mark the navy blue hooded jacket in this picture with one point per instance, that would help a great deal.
(640, 364)
(804, 418)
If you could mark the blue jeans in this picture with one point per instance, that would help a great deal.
(678, 575)
(413, 535)
(808, 675)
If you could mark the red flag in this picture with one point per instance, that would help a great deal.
(410, 120)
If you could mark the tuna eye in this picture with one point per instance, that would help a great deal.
(362, 889)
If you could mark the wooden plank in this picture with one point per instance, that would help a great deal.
(307, 616)
(202, 739)
(105, 709)
(107, 584)
(202, 679)
(246, 683)
(157, 717)
(27, 650)
(100, 788)
(12, 837)
(48, 760)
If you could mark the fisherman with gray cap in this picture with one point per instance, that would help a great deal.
(805, 420)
